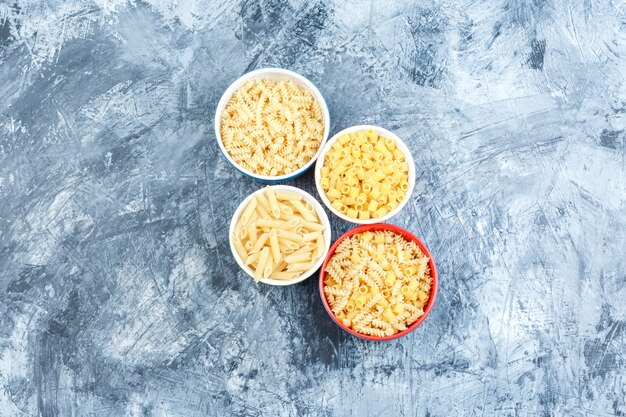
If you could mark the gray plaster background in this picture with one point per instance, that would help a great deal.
(118, 292)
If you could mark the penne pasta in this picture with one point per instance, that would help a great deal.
(300, 266)
(268, 223)
(252, 232)
(284, 275)
(286, 195)
(320, 247)
(284, 216)
(269, 266)
(259, 243)
(247, 213)
(285, 234)
(252, 258)
(310, 236)
(260, 269)
(306, 247)
(286, 250)
(264, 202)
(237, 229)
(298, 257)
(288, 243)
(291, 223)
(317, 227)
(271, 197)
(304, 211)
(274, 247)
(239, 247)
(279, 247)
(262, 212)
(280, 267)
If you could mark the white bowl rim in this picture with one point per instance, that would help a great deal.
(259, 74)
(382, 132)
(323, 219)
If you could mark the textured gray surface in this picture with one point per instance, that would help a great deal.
(118, 292)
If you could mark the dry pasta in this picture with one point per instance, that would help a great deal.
(278, 236)
(272, 128)
(364, 175)
(365, 293)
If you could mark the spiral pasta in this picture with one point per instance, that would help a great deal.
(272, 127)
(378, 283)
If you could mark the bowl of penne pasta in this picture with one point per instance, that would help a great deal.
(378, 282)
(271, 124)
(279, 235)
(365, 174)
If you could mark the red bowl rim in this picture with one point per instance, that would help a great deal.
(407, 235)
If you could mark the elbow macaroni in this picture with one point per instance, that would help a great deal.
(377, 283)
(364, 175)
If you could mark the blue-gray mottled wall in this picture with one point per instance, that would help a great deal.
(118, 292)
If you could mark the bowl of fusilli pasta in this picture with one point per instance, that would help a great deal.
(378, 282)
(271, 124)
(365, 174)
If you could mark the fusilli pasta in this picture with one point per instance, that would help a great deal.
(272, 128)
(378, 283)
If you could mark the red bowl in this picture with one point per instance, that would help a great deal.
(408, 236)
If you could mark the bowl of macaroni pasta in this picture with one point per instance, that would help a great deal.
(279, 235)
(365, 174)
(271, 124)
(378, 282)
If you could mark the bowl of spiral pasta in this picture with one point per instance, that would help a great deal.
(365, 174)
(271, 124)
(378, 282)
(279, 235)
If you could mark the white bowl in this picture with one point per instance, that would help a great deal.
(274, 74)
(382, 132)
(323, 219)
